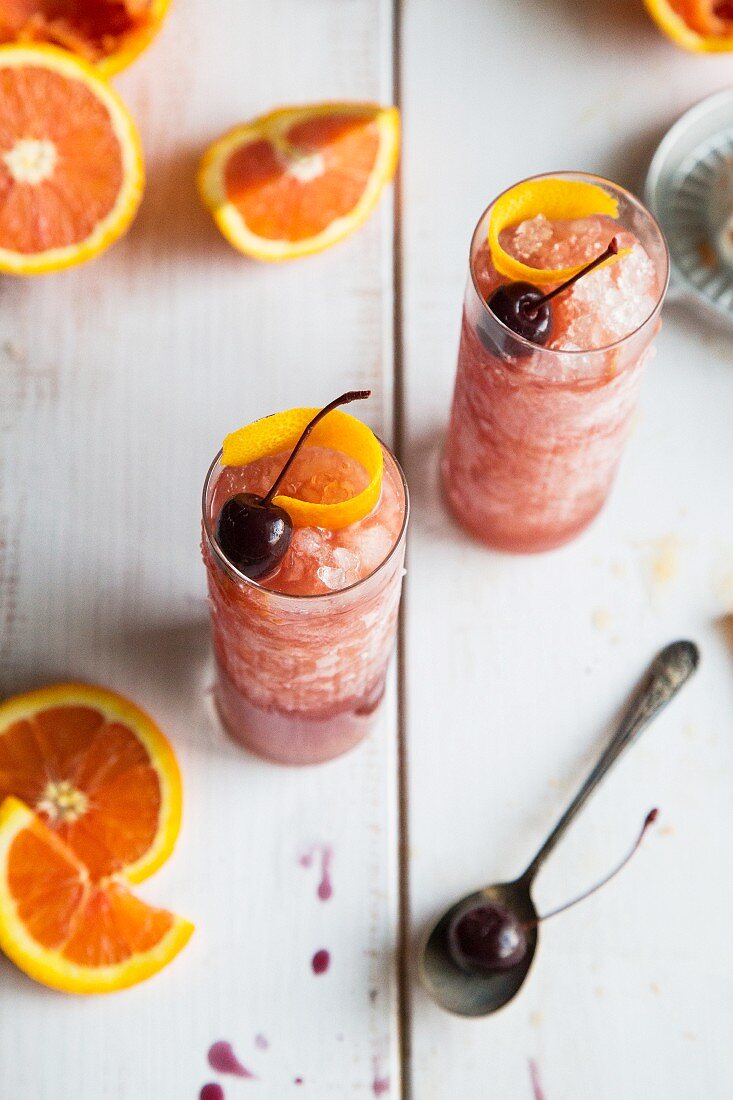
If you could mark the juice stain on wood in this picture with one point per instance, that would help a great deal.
(212, 1091)
(321, 961)
(325, 887)
(534, 1076)
(222, 1058)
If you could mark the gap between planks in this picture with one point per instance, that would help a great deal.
(404, 972)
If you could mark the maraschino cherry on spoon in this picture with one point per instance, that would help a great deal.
(524, 309)
(487, 936)
(252, 531)
(468, 989)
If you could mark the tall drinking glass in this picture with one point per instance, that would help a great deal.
(536, 433)
(299, 677)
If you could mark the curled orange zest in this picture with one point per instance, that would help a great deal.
(556, 199)
(338, 430)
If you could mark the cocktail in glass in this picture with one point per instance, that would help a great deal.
(537, 432)
(302, 653)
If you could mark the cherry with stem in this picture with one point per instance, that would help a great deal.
(488, 937)
(253, 532)
(523, 307)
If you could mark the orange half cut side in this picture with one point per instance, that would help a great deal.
(701, 26)
(63, 929)
(107, 33)
(297, 180)
(71, 166)
(99, 773)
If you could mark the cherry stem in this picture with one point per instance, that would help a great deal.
(344, 399)
(612, 250)
(650, 818)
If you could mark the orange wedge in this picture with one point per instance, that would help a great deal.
(64, 929)
(107, 33)
(297, 180)
(556, 199)
(337, 430)
(71, 167)
(98, 771)
(702, 26)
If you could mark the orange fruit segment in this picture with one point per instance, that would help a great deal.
(107, 33)
(556, 199)
(338, 430)
(66, 930)
(702, 26)
(297, 180)
(98, 771)
(71, 168)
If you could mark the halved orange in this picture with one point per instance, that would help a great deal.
(108, 33)
(66, 930)
(703, 26)
(71, 166)
(297, 180)
(98, 771)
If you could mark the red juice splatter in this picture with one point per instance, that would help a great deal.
(321, 961)
(261, 1042)
(380, 1085)
(211, 1091)
(325, 886)
(534, 1076)
(223, 1059)
(298, 1081)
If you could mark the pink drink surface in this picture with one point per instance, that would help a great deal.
(318, 560)
(299, 678)
(536, 435)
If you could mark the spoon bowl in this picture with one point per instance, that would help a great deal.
(477, 994)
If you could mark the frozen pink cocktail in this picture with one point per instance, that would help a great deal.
(537, 432)
(302, 653)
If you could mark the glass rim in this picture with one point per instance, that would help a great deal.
(600, 180)
(248, 582)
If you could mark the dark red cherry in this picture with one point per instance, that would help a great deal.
(253, 532)
(524, 308)
(516, 305)
(487, 937)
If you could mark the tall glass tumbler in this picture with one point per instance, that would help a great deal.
(536, 434)
(299, 678)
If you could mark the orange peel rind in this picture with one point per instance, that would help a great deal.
(339, 430)
(556, 199)
(699, 30)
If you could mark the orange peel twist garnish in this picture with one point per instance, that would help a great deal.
(556, 199)
(338, 430)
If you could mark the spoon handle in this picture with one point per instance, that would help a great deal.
(669, 670)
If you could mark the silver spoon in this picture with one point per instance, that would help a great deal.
(468, 994)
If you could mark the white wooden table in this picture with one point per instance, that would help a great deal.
(117, 383)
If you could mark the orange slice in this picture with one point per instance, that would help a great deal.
(556, 199)
(98, 771)
(108, 33)
(338, 430)
(67, 931)
(702, 26)
(71, 168)
(299, 179)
